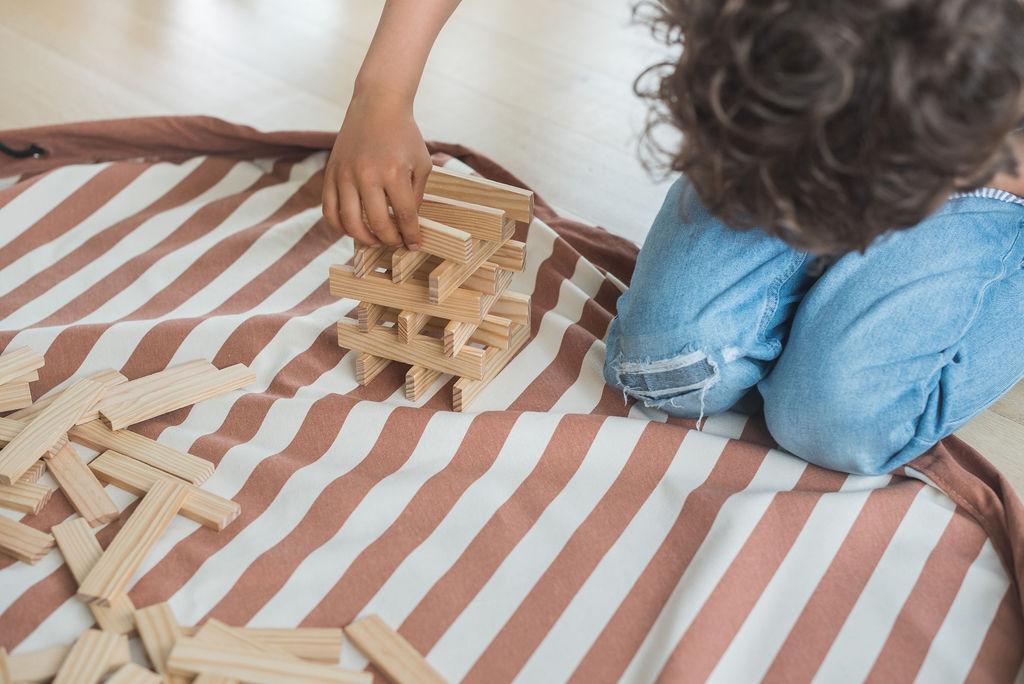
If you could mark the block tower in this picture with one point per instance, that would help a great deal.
(445, 309)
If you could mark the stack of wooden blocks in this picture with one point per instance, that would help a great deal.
(445, 309)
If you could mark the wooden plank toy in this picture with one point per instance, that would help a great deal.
(19, 363)
(97, 435)
(25, 543)
(131, 673)
(159, 631)
(391, 653)
(445, 309)
(80, 486)
(93, 655)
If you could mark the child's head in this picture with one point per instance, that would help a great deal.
(829, 122)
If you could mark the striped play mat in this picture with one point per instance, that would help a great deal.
(553, 533)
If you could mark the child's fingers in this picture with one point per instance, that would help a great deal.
(419, 177)
(330, 207)
(376, 207)
(403, 201)
(351, 213)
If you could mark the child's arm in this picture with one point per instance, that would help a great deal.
(379, 157)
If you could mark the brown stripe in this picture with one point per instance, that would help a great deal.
(201, 179)
(559, 266)
(477, 452)
(723, 613)
(1000, 655)
(537, 614)
(333, 505)
(562, 456)
(74, 209)
(23, 615)
(825, 612)
(928, 603)
(755, 431)
(612, 403)
(612, 651)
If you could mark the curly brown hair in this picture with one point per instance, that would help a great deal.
(830, 122)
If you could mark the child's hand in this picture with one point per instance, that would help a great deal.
(379, 159)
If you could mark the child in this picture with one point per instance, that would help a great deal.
(846, 243)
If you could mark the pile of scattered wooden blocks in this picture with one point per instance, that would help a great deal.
(445, 309)
(95, 412)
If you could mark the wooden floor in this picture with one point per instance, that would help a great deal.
(542, 86)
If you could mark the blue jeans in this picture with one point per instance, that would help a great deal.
(862, 364)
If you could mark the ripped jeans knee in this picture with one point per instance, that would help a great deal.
(682, 385)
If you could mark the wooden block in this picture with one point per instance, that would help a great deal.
(516, 202)
(80, 486)
(93, 655)
(50, 425)
(462, 305)
(216, 633)
(449, 276)
(444, 241)
(107, 378)
(154, 383)
(192, 656)
(17, 363)
(320, 644)
(368, 257)
(417, 380)
(513, 306)
(368, 314)
(134, 674)
(26, 497)
(484, 280)
(483, 223)
(206, 508)
(405, 264)
(390, 652)
(96, 435)
(184, 393)
(34, 473)
(369, 367)
(207, 678)
(15, 395)
(421, 350)
(511, 256)
(494, 331)
(158, 630)
(109, 577)
(410, 323)
(467, 389)
(20, 541)
(81, 551)
(5, 667)
(37, 666)
(457, 333)
(28, 377)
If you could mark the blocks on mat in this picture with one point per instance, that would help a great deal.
(446, 309)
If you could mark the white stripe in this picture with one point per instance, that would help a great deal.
(862, 636)
(765, 629)
(481, 620)
(139, 241)
(603, 591)
(732, 527)
(318, 572)
(26, 209)
(9, 181)
(584, 394)
(150, 185)
(956, 644)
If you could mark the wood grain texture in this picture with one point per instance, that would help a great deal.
(97, 435)
(22, 542)
(37, 666)
(368, 257)
(81, 551)
(463, 305)
(207, 678)
(51, 424)
(467, 389)
(458, 333)
(513, 306)
(423, 351)
(483, 223)
(449, 276)
(405, 263)
(108, 378)
(216, 633)
(15, 395)
(5, 667)
(417, 380)
(204, 507)
(391, 653)
(94, 654)
(511, 256)
(159, 630)
(26, 497)
(484, 281)
(18, 363)
(319, 644)
(155, 383)
(182, 393)
(410, 324)
(131, 673)
(515, 202)
(192, 656)
(33, 473)
(445, 241)
(368, 314)
(80, 486)
(110, 576)
(368, 367)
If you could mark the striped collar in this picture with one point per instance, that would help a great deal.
(991, 193)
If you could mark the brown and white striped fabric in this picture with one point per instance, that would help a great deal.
(555, 533)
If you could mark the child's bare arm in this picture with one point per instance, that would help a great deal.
(379, 157)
